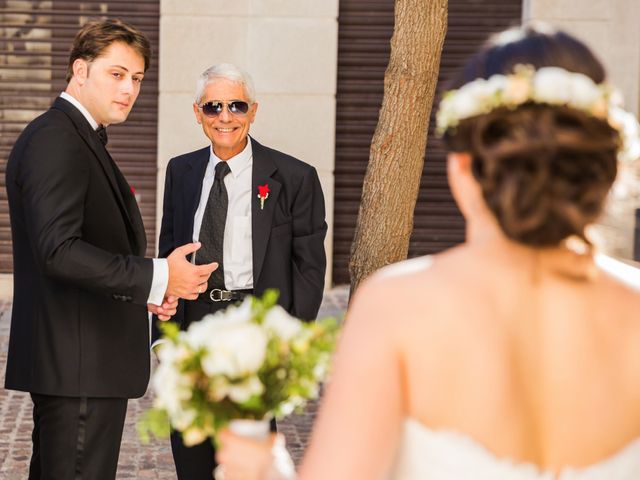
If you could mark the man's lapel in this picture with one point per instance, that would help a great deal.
(192, 189)
(262, 216)
(133, 211)
(119, 186)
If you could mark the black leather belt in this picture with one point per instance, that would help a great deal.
(219, 295)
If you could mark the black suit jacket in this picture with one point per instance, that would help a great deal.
(79, 323)
(287, 235)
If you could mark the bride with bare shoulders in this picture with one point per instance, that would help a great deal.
(514, 355)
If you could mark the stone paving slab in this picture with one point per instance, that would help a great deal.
(137, 461)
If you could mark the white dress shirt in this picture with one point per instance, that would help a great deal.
(160, 265)
(237, 246)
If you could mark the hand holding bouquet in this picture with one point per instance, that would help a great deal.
(252, 361)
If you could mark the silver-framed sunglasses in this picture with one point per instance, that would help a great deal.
(214, 108)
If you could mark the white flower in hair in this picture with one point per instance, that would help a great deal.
(585, 94)
(552, 85)
(627, 124)
(516, 91)
(548, 85)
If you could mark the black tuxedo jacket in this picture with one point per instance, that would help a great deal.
(287, 235)
(79, 323)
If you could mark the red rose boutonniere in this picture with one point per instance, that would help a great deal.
(135, 194)
(263, 194)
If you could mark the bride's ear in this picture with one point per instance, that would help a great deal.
(464, 187)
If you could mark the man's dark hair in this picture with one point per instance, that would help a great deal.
(96, 36)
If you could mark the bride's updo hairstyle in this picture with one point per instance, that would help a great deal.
(544, 170)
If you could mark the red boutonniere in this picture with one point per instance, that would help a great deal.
(263, 194)
(135, 194)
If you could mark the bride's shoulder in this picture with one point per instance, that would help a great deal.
(410, 283)
(624, 274)
(405, 269)
(417, 273)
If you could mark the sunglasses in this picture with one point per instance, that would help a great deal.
(235, 107)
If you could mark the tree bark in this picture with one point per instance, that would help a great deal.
(396, 158)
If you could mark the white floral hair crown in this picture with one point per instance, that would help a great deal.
(547, 85)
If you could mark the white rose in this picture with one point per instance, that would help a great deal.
(471, 99)
(218, 388)
(585, 93)
(627, 124)
(445, 117)
(193, 436)
(516, 91)
(182, 418)
(172, 388)
(239, 313)
(320, 370)
(281, 323)
(552, 85)
(288, 407)
(235, 350)
(495, 85)
(200, 332)
(171, 353)
(241, 392)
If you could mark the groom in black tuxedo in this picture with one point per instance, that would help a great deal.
(259, 214)
(79, 339)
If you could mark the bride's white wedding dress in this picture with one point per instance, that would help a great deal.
(426, 454)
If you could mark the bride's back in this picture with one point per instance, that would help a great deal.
(531, 361)
(512, 340)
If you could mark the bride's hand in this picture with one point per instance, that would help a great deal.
(243, 458)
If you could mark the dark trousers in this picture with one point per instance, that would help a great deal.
(76, 438)
(197, 462)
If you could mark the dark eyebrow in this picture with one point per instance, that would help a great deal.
(126, 69)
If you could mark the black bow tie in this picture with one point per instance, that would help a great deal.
(102, 133)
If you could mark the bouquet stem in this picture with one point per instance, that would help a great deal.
(256, 429)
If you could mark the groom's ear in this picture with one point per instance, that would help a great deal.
(80, 70)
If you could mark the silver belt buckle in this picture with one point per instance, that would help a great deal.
(219, 295)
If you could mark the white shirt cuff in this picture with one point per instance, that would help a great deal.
(160, 281)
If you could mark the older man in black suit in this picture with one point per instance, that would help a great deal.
(259, 214)
(79, 338)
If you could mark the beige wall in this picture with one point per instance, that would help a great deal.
(612, 29)
(290, 49)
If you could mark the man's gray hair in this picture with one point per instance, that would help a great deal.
(227, 71)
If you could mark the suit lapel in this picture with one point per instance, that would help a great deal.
(192, 189)
(119, 185)
(262, 217)
(132, 210)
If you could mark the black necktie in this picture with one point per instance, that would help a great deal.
(212, 229)
(102, 134)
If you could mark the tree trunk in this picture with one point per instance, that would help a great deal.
(392, 181)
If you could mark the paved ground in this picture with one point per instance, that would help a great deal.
(137, 461)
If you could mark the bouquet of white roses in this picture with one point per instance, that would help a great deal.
(251, 361)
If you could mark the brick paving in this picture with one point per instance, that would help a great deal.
(152, 461)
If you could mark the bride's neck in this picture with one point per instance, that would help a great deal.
(572, 260)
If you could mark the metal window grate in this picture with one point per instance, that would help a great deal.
(365, 28)
(35, 39)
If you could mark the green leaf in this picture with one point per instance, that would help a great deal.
(170, 330)
(154, 422)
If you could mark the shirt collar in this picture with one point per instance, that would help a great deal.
(73, 101)
(238, 163)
